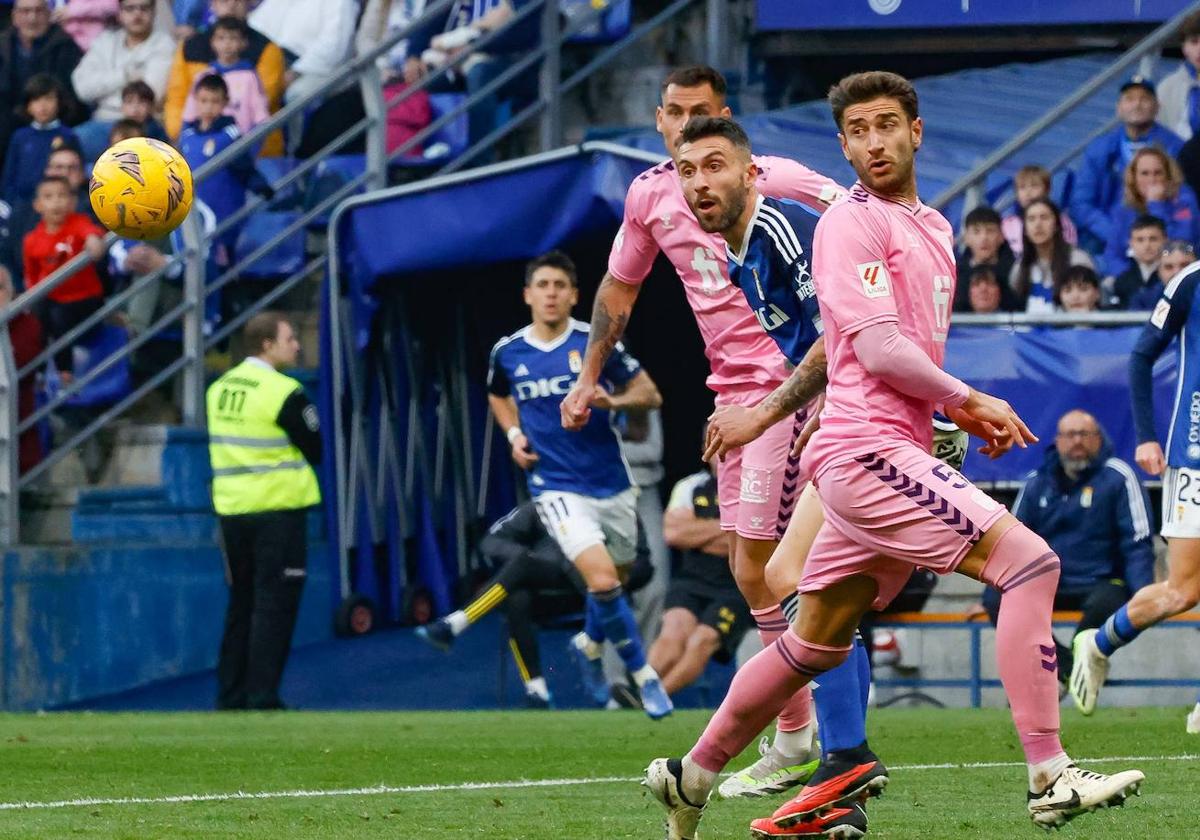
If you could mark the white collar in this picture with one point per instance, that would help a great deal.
(740, 256)
(547, 346)
(254, 360)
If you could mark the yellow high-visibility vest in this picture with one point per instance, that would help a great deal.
(255, 466)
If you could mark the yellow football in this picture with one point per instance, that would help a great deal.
(141, 188)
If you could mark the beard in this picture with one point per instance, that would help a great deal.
(732, 208)
(896, 181)
(1074, 466)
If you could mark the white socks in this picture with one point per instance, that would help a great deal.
(697, 782)
(1044, 773)
(644, 673)
(458, 622)
(590, 649)
(796, 744)
(537, 686)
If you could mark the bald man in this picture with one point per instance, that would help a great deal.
(1093, 511)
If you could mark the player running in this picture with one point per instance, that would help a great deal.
(581, 483)
(746, 366)
(884, 272)
(1180, 592)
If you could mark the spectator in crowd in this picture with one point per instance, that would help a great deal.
(61, 235)
(983, 244)
(986, 293)
(410, 116)
(19, 218)
(67, 162)
(380, 20)
(117, 57)
(1179, 92)
(210, 133)
(1031, 182)
(1176, 256)
(468, 22)
(137, 104)
(1045, 258)
(190, 17)
(1079, 290)
(84, 20)
(31, 145)
(25, 334)
(705, 614)
(248, 105)
(1140, 282)
(195, 55)
(1153, 185)
(1098, 186)
(125, 129)
(1092, 510)
(317, 36)
(33, 45)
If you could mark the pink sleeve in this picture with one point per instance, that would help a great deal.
(633, 249)
(850, 269)
(98, 10)
(887, 354)
(785, 178)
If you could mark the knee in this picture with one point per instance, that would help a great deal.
(1183, 597)
(703, 642)
(674, 628)
(748, 573)
(519, 601)
(779, 579)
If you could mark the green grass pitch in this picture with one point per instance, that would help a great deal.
(65, 758)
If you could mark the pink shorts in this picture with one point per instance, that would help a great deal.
(758, 484)
(888, 511)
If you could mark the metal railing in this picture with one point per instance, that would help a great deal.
(972, 184)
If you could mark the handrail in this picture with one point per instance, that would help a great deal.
(1153, 41)
(1049, 319)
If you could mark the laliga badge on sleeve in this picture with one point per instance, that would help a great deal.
(1159, 317)
(874, 279)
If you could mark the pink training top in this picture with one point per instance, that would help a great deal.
(657, 217)
(877, 261)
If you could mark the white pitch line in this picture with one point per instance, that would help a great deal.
(468, 786)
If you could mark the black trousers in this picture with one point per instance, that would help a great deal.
(60, 318)
(538, 588)
(266, 556)
(1097, 603)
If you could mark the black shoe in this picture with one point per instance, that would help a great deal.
(438, 634)
(626, 697)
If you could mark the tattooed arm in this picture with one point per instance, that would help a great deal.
(610, 315)
(731, 426)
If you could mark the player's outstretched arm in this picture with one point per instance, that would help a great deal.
(1166, 322)
(639, 393)
(610, 315)
(731, 426)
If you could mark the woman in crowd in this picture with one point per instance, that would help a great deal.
(1045, 257)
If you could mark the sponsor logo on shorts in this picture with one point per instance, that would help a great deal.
(756, 521)
(756, 485)
(874, 277)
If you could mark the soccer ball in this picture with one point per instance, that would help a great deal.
(141, 188)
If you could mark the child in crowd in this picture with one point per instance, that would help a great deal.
(31, 145)
(1047, 255)
(1079, 290)
(1140, 283)
(986, 293)
(984, 245)
(210, 132)
(61, 235)
(137, 104)
(1031, 183)
(247, 100)
(125, 129)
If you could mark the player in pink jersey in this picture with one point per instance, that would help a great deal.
(883, 268)
(757, 485)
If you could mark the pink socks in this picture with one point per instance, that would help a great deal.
(797, 714)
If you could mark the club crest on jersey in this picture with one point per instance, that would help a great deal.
(575, 361)
(665, 218)
(874, 279)
(756, 485)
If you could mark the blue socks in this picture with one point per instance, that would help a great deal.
(841, 698)
(1117, 632)
(592, 624)
(619, 626)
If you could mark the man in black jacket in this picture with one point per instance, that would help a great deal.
(34, 45)
(535, 581)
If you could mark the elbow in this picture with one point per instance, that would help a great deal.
(653, 398)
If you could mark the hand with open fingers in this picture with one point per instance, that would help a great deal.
(576, 405)
(522, 455)
(997, 440)
(1009, 428)
(729, 427)
(810, 427)
(1149, 457)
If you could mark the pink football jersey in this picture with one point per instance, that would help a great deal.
(877, 261)
(657, 217)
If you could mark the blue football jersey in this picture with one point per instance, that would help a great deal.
(1177, 314)
(537, 376)
(773, 271)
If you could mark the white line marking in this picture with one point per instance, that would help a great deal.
(466, 786)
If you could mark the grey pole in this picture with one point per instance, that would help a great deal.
(714, 32)
(371, 83)
(193, 321)
(548, 79)
(10, 443)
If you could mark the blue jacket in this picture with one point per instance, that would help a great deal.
(1181, 215)
(225, 190)
(26, 158)
(1099, 182)
(1099, 524)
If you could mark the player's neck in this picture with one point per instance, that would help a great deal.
(905, 195)
(735, 234)
(547, 332)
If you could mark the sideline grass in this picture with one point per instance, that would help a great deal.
(70, 756)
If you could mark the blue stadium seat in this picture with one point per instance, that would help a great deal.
(116, 382)
(331, 175)
(284, 259)
(613, 25)
(275, 169)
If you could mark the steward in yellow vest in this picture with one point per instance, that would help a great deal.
(264, 442)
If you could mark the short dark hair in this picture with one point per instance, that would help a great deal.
(231, 24)
(1146, 220)
(982, 215)
(696, 75)
(126, 128)
(215, 83)
(863, 87)
(261, 328)
(1189, 27)
(42, 84)
(73, 148)
(698, 128)
(139, 90)
(552, 259)
(52, 179)
(981, 273)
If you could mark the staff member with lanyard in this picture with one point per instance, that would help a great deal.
(264, 442)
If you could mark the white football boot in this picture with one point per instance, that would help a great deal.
(1078, 791)
(1089, 672)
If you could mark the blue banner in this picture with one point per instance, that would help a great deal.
(906, 14)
